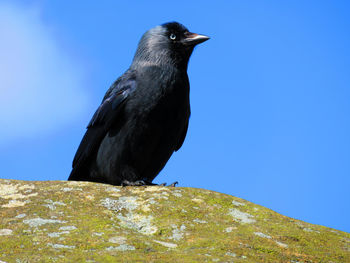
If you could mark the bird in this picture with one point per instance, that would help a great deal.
(144, 115)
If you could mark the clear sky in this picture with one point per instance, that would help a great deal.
(270, 94)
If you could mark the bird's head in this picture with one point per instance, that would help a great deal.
(169, 43)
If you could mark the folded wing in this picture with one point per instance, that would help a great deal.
(107, 114)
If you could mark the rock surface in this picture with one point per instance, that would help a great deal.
(57, 221)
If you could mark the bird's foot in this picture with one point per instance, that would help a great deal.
(170, 185)
(145, 182)
(173, 184)
(136, 183)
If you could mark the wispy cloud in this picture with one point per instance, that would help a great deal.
(41, 86)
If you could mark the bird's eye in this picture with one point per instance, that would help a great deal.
(172, 37)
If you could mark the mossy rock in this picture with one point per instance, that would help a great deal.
(58, 221)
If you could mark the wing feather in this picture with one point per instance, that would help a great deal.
(104, 117)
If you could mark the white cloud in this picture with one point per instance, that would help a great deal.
(41, 86)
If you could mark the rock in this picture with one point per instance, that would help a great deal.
(88, 222)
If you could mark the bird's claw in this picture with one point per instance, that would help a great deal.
(173, 184)
(135, 183)
(145, 182)
(170, 185)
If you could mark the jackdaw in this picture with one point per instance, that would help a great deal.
(143, 117)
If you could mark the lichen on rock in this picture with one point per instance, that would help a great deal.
(89, 222)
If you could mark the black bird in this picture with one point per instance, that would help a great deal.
(144, 115)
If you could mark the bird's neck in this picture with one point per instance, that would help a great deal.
(166, 66)
(161, 58)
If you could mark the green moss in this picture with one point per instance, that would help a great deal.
(210, 232)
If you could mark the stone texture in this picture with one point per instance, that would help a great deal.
(58, 221)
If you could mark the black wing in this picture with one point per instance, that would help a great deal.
(99, 126)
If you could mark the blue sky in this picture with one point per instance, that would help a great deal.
(270, 94)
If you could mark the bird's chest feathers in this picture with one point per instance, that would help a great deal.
(164, 90)
(162, 100)
(168, 104)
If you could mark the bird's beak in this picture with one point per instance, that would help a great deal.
(194, 39)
